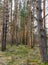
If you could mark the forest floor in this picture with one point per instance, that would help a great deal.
(21, 55)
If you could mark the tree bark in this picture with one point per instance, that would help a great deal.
(42, 33)
(5, 21)
(30, 23)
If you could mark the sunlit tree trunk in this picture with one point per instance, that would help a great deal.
(10, 22)
(17, 22)
(30, 23)
(44, 13)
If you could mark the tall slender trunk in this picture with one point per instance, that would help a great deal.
(10, 21)
(44, 13)
(5, 20)
(30, 23)
(17, 22)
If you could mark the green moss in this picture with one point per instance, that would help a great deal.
(21, 55)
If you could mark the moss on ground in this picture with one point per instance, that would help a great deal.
(21, 55)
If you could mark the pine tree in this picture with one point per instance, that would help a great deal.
(30, 23)
(5, 21)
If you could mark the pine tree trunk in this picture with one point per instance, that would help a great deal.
(5, 20)
(30, 23)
